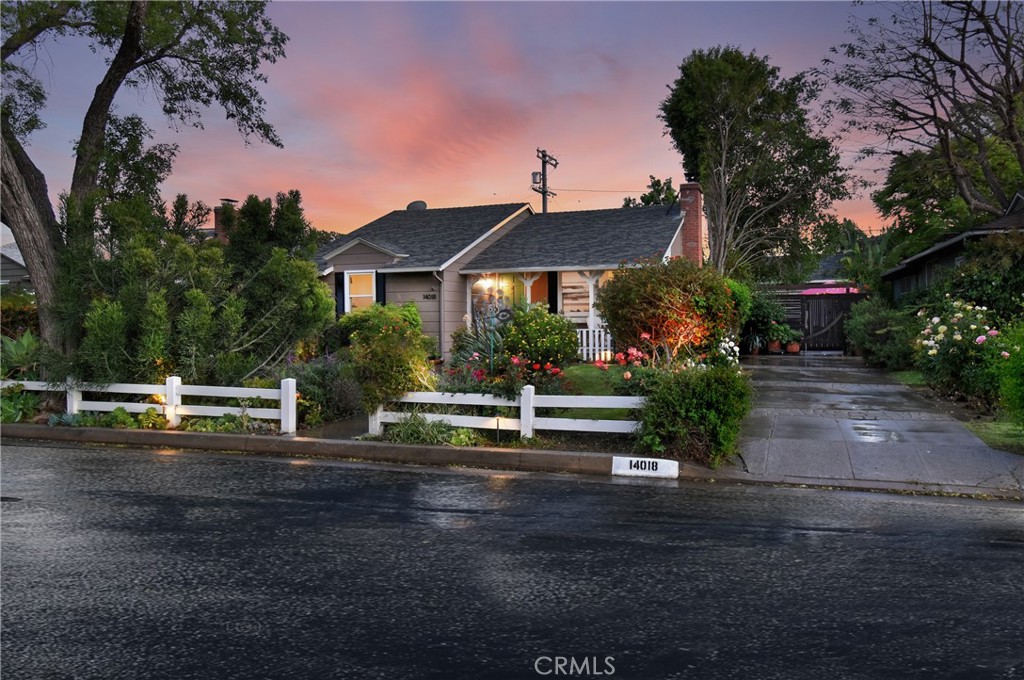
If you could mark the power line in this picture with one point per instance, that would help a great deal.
(609, 191)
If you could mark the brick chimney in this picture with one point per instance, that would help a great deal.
(694, 237)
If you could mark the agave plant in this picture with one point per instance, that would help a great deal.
(19, 358)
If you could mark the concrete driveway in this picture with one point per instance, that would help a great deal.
(830, 420)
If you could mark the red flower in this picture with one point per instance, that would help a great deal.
(536, 367)
(547, 366)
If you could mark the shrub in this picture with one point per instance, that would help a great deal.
(369, 320)
(16, 404)
(765, 311)
(695, 413)
(669, 310)
(18, 313)
(418, 430)
(119, 419)
(327, 390)
(391, 359)
(957, 351)
(151, 420)
(742, 298)
(1010, 366)
(538, 336)
(884, 336)
(19, 358)
(992, 277)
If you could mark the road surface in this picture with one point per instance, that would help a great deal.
(128, 564)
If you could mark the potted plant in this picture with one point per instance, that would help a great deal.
(755, 342)
(793, 343)
(777, 335)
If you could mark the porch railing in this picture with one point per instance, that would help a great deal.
(595, 343)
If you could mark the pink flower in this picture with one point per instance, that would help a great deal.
(621, 358)
(993, 332)
(1005, 355)
(516, 361)
(627, 375)
(980, 339)
(600, 364)
(479, 374)
(645, 336)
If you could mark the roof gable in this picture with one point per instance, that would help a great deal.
(582, 239)
(430, 239)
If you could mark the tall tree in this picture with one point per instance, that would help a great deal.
(189, 54)
(745, 133)
(945, 77)
(658, 193)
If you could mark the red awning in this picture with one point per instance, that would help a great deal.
(830, 291)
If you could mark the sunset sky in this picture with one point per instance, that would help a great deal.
(380, 104)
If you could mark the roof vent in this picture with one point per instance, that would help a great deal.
(417, 205)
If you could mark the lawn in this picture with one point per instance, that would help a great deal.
(591, 380)
(999, 434)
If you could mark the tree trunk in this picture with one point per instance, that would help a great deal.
(26, 209)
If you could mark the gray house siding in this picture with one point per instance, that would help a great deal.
(422, 289)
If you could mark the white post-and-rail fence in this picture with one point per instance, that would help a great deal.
(171, 393)
(526, 424)
(594, 343)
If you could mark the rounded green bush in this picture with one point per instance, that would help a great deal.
(884, 336)
(536, 335)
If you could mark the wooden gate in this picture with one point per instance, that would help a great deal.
(823, 317)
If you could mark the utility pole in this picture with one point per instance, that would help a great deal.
(546, 159)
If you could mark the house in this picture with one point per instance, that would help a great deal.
(921, 270)
(466, 263)
(12, 267)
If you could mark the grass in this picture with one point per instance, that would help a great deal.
(591, 380)
(909, 378)
(999, 434)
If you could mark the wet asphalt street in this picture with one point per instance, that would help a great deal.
(124, 564)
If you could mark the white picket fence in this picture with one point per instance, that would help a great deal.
(526, 424)
(595, 343)
(170, 394)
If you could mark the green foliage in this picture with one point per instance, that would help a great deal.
(17, 404)
(959, 351)
(695, 414)
(992, 277)
(19, 358)
(326, 389)
(782, 332)
(659, 193)
(537, 336)
(765, 312)
(18, 313)
(103, 354)
(884, 336)
(391, 358)
(257, 228)
(745, 134)
(418, 430)
(154, 344)
(1010, 368)
(196, 332)
(370, 320)
(674, 309)
(119, 419)
(743, 299)
(467, 437)
(151, 420)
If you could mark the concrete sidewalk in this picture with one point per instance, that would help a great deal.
(828, 420)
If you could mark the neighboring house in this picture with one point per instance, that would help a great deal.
(459, 264)
(921, 270)
(12, 267)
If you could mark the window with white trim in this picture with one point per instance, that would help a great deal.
(360, 289)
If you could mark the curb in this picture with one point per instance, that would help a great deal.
(524, 460)
(528, 460)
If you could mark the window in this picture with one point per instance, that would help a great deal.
(360, 290)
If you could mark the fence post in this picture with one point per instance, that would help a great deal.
(526, 412)
(374, 421)
(288, 406)
(74, 399)
(172, 400)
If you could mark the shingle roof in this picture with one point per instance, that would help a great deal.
(583, 239)
(430, 237)
(11, 250)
